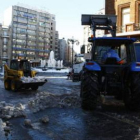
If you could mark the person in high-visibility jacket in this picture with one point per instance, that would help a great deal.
(111, 53)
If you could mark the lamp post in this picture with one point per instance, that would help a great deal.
(72, 41)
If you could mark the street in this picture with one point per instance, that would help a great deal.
(59, 100)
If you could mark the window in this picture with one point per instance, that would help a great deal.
(125, 16)
(139, 15)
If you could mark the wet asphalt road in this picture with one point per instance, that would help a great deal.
(109, 122)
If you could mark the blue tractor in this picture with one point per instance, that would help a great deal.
(110, 76)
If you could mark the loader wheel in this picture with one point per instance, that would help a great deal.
(34, 88)
(7, 84)
(13, 85)
(132, 93)
(89, 90)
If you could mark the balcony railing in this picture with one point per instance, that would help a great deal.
(31, 39)
(32, 45)
(41, 35)
(31, 28)
(41, 45)
(4, 49)
(128, 28)
(5, 35)
(41, 40)
(21, 37)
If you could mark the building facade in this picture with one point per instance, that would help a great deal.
(62, 49)
(128, 16)
(5, 44)
(32, 33)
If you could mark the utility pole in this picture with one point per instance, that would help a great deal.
(72, 41)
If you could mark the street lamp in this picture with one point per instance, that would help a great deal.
(72, 41)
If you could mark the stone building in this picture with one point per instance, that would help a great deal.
(128, 16)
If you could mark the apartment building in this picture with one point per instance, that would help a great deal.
(4, 44)
(57, 56)
(32, 33)
(128, 16)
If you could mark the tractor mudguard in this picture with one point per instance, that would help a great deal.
(135, 66)
(92, 66)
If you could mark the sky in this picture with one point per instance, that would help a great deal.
(68, 13)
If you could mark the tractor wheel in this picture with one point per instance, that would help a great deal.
(34, 88)
(132, 93)
(7, 84)
(13, 85)
(89, 90)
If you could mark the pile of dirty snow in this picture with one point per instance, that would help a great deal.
(45, 100)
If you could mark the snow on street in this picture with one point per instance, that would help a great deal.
(54, 112)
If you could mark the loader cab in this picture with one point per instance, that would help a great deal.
(22, 65)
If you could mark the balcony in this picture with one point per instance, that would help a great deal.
(47, 41)
(43, 20)
(15, 19)
(41, 29)
(31, 44)
(32, 22)
(5, 42)
(30, 55)
(21, 37)
(41, 45)
(22, 21)
(47, 30)
(20, 43)
(41, 35)
(41, 40)
(5, 57)
(20, 32)
(47, 35)
(128, 28)
(31, 39)
(22, 26)
(4, 49)
(31, 33)
(47, 26)
(5, 35)
(31, 28)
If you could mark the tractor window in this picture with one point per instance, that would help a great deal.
(123, 53)
(26, 65)
(100, 51)
(14, 65)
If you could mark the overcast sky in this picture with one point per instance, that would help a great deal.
(67, 12)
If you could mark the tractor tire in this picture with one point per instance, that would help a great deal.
(34, 88)
(132, 93)
(13, 86)
(89, 90)
(7, 84)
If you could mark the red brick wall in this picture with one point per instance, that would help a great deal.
(110, 7)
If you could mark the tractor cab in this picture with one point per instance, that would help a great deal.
(123, 51)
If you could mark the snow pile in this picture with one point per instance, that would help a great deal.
(33, 79)
(9, 110)
(45, 100)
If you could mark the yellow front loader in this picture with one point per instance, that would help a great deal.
(19, 70)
